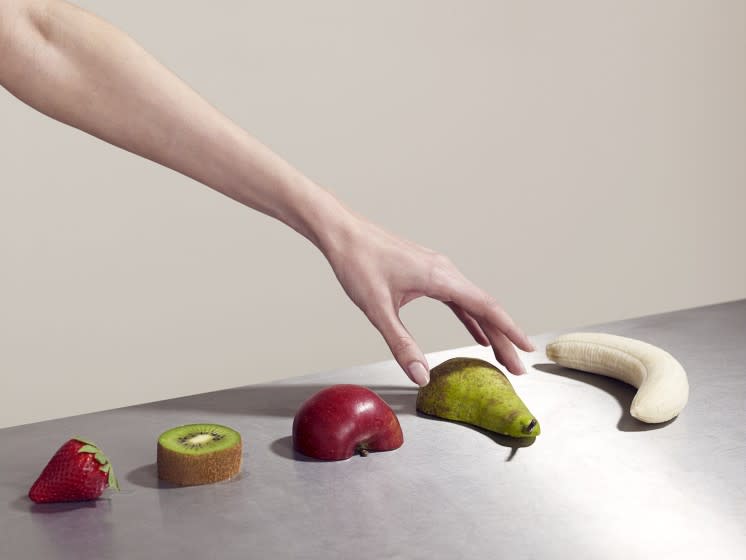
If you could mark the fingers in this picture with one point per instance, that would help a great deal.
(504, 351)
(499, 328)
(486, 311)
(506, 354)
(450, 286)
(405, 350)
(470, 323)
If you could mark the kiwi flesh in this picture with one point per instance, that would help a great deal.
(199, 454)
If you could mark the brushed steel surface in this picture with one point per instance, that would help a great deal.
(596, 483)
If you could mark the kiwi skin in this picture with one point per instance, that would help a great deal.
(190, 469)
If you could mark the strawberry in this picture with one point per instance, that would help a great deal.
(78, 471)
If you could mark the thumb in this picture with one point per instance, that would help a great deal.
(404, 348)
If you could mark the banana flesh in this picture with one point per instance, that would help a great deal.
(661, 382)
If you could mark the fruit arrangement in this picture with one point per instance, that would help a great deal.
(476, 392)
(78, 471)
(199, 454)
(661, 382)
(342, 420)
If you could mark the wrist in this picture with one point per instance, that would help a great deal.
(323, 219)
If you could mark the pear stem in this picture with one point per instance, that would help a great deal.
(530, 426)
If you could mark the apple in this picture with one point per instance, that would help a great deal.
(341, 420)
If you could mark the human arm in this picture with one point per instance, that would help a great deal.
(78, 69)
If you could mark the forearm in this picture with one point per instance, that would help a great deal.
(78, 69)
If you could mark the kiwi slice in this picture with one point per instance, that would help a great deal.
(199, 454)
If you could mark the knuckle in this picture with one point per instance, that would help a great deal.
(443, 261)
(441, 272)
(374, 303)
(374, 313)
(493, 311)
(490, 303)
(401, 344)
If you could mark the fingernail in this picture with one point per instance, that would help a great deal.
(419, 373)
(521, 369)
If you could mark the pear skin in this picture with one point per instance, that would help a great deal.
(476, 392)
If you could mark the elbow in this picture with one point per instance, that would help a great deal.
(37, 15)
(7, 18)
(13, 13)
(19, 20)
(19, 14)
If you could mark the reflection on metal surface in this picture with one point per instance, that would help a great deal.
(592, 486)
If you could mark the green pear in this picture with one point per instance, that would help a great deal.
(476, 392)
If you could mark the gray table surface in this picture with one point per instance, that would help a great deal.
(595, 484)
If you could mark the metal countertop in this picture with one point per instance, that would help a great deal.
(595, 484)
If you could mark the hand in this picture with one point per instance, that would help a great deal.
(80, 70)
(381, 273)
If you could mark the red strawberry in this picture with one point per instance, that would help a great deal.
(78, 471)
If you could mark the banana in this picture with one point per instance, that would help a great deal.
(662, 386)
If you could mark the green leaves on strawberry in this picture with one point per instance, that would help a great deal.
(78, 471)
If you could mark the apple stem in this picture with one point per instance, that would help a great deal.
(363, 452)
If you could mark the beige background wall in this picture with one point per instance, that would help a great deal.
(583, 161)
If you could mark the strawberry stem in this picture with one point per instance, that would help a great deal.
(86, 441)
(87, 448)
(113, 482)
(102, 459)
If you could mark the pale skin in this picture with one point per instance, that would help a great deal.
(78, 69)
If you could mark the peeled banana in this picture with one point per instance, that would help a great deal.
(662, 386)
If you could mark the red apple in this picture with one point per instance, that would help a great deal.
(341, 420)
